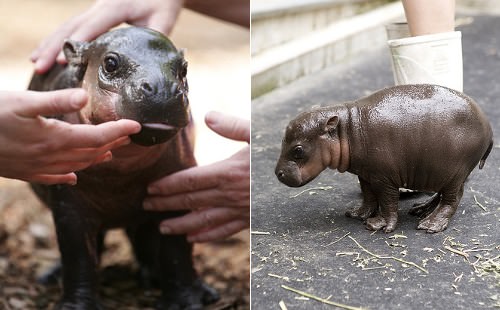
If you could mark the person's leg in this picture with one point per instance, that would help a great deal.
(429, 16)
(432, 53)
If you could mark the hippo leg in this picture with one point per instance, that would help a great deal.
(54, 274)
(438, 219)
(146, 252)
(387, 216)
(369, 205)
(424, 209)
(77, 239)
(169, 259)
(181, 286)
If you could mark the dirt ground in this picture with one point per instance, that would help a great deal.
(219, 80)
(28, 248)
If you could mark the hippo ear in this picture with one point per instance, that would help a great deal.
(75, 54)
(331, 124)
(74, 51)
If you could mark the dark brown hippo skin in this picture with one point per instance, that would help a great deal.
(423, 137)
(133, 73)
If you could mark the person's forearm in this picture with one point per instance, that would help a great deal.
(234, 11)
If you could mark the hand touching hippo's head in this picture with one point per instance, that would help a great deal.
(311, 144)
(133, 73)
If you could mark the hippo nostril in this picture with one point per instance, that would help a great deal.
(281, 174)
(146, 88)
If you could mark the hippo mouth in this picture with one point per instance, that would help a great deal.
(154, 133)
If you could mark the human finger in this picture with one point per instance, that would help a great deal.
(219, 232)
(161, 24)
(77, 28)
(90, 155)
(95, 136)
(197, 220)
(60, 168)
(101, 22)
(33, 103)
(44, 56)
(229, 126)
(188, 180)
(185, 201)
(50, 42)
(50, 179)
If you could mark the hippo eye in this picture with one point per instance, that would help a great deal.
(111, 63)
(298, 152)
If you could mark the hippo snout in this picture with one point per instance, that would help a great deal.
(288, 175)
(280, 174)
(149, 90)
(149, 99)
(163, 121)
(162, 108)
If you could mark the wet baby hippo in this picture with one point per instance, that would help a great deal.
(133, 73)
(423, 137)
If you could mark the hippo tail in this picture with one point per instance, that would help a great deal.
(483, 159)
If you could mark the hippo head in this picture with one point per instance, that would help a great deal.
(307, 147)
(134, 73)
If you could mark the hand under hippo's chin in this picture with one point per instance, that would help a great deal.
(151, 132)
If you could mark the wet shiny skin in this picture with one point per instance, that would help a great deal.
(138, 74)
(422, 137)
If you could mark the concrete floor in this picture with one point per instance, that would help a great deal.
(302, 240)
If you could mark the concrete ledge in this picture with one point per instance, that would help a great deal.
(274, 23)
(285, 63)
(265, 9)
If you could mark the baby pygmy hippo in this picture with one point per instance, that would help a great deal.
(423, 137)
(133, 73)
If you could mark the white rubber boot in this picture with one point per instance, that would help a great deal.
(431, 59)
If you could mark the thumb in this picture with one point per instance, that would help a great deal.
(49, 103)
(229, 126)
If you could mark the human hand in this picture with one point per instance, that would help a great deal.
(159, 15)
(218, 195)
(44, 150)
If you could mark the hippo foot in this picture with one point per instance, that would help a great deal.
(360, 213)
(194, 297)
(433, 224)
(438, 220)
(52, 276)
(379, 222)
(87, 304)
(423, 210)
